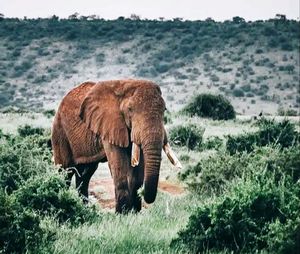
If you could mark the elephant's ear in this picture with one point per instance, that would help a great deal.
(100, 110)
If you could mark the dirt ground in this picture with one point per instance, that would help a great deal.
(101, 189)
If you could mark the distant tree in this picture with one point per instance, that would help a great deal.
(74, 16)
(1, 16)
(238, 20)
(135, 17)
(54, 18)
(210, 20)
(281, 17)
(290, 68)
(178, 19)
(83, 17)
(93, 17)
(161, 18)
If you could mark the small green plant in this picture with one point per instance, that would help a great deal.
(184, 157)
(188, 135)
(216, 107)
(212, 143)
(28, 130)
(287, 112)
(238, 92)
(167, 117)
(49, 113)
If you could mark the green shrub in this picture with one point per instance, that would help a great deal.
(49, 113)
(238, 92)
(259, 205)
(48, 194)
(167, 117)
(28, 130)
(20, 227)
(30, 189)
(243, 220)
(280, 133)
(188, 135)
(270, 132)
(286, 112)
(184, 157)
(244, 142)
(212, 106)
(284, 237)
(212, 143)
(20, 159)
(211, 175)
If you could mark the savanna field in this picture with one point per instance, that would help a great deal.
(239, 189)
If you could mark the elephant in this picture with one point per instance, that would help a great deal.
(119, 122)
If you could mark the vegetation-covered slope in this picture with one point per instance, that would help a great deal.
(254, 63)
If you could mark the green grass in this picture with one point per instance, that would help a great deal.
(150, 231)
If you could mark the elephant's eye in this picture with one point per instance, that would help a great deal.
(130, 109)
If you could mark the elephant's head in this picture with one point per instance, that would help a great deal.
(131, 111)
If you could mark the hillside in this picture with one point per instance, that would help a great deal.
(255, 64)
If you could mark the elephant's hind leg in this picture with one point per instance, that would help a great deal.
(83, 176)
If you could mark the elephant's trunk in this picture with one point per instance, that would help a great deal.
(152, 159)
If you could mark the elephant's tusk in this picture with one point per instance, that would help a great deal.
(135, 155)
(171, 155)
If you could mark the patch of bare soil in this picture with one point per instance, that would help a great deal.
(103, 191)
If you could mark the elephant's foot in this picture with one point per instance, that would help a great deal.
(123, 205)
(137, 206)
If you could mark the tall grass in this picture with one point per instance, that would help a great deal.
(150, 231)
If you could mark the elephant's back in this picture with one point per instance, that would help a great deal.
(74, 98)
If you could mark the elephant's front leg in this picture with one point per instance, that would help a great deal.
(119, 164)
(135, 181)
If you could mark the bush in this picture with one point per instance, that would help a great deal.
(211, 175)
(244, 220)
(20, 159)
(53, 197)
(257, 211)
(238, 92)
(279, 133)
(30, 189)
(49, 113)
(20, 228)
(244, 142)
(286, 112)
(28, 130)
(187, 135)
(167, 117)
(212, 143)
(216, 107)
(270, 132)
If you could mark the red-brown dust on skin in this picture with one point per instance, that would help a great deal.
(103, 191)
